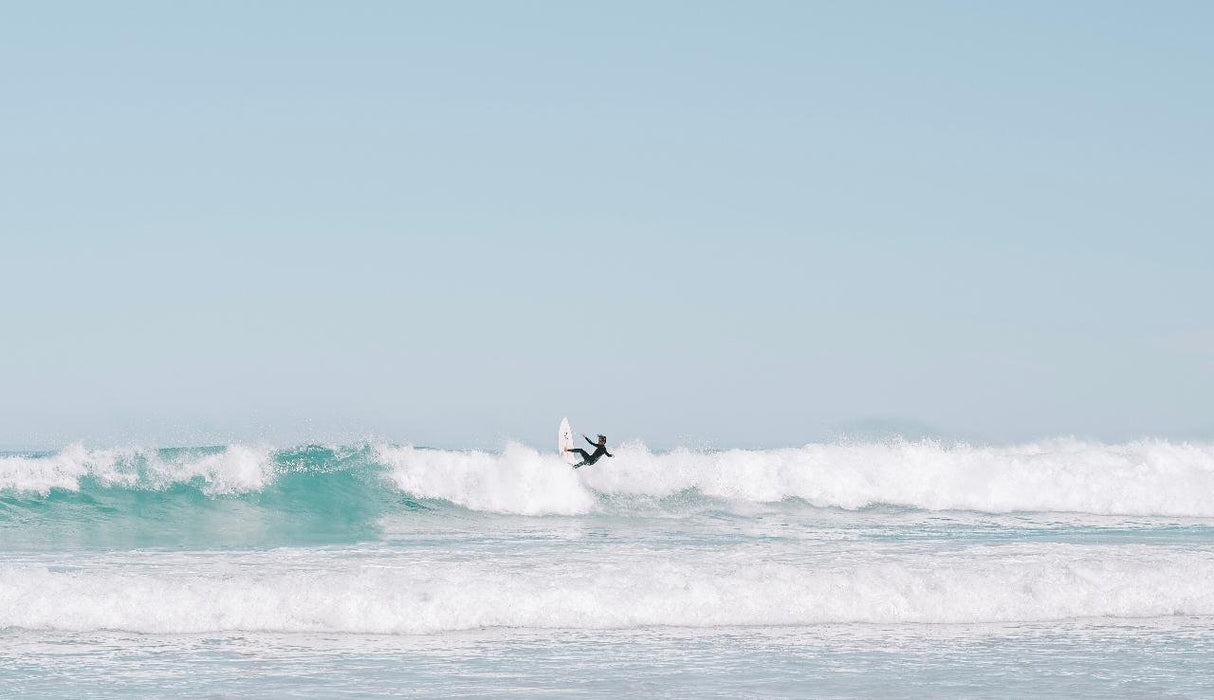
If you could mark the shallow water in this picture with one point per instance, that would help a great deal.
(1086, 659)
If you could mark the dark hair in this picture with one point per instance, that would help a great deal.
(602, 438)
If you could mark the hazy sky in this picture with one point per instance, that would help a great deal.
(749, 223)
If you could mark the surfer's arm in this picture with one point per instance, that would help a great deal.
(592, 442)
(608, 453)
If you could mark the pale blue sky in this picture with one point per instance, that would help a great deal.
(702, 223)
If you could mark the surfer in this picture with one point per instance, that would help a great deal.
(600, 449)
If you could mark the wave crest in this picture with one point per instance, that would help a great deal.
(230, 469)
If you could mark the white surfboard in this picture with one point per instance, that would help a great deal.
(564, 441)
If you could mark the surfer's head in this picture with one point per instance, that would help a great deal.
(602, 439)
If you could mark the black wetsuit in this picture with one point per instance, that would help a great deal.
(590, 458)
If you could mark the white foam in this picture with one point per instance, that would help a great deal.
(61, 470)
(236, 468)
(519, 480)
(1150, 477)
(1140, 478)
(620, 586)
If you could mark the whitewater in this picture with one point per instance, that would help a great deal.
(1150, 477)
(1063, 567)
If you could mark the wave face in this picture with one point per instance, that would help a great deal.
(622, 586)
(232, 496)
(353, 486)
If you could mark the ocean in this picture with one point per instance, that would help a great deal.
(893, 569)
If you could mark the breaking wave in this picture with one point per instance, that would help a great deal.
(1144, 478)
(1140, 478)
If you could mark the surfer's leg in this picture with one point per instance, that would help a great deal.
(580, 452)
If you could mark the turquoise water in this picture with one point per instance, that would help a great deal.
(896, 569)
